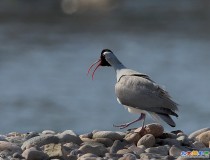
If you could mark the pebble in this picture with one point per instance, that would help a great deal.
(155, 129)
(98, 150)
(10, 147)
(132, 137)
(109, 134)
(48, 132)
(33, 154)
(55, 150)
(39, 141)
(128, 156)
(196, 133)
(175, 151)
(117, 145)
(137, 150)
(103, 145)
(198, 145)
(163, 150)
(147, 140)
(69, 136)
(204, 138)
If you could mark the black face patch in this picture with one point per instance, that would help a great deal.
(103, 59)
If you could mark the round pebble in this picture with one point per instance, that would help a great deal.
(147, 140)
(109, 134)
(33, 154)
(155, 129)
(175, 151)
(196, 133)
(98, 150)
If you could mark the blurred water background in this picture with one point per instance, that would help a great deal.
(47, 46)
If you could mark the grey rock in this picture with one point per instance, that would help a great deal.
(198, 145)
(196, 133)
(162, 150)
(10, 147)
(93, 144)
(33, 154)
(98, 150)
(109, 134)
(175, 151)
(184, 140)
(70, 146)
(48, 132)
(147, 140)
(137, 150)
(31, 135)
(117, 145)
(150, 156)
(128, 156)
(168, 141)
(86, 135)
(106, 141)
(113, 156)
(75, 152)
(17, 155)
(39, 141)
(168, 135)
(69, 136)
(3, 138)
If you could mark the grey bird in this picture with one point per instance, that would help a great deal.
(137, 92)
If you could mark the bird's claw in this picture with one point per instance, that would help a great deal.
(121, 126)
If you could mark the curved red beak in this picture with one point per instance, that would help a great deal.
(98, 64)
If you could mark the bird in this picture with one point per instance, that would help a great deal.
(137, 92)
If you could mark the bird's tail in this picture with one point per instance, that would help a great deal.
(164, 117)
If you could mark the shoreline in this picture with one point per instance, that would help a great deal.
(153, 142)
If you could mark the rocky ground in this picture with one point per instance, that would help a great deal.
(153, 143)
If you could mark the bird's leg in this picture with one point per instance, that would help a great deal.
(121, 126)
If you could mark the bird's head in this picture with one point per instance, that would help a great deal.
(106, 54)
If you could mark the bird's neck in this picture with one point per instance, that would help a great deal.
(116, 64)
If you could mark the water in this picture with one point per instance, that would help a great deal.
(43, 82)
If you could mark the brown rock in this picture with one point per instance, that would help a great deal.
(147, 140)
(204, 138)
(10, 147)
(197, 133)
(33, 154)
(124, 151)
(55, 150)
(132, 137)
(155, 129)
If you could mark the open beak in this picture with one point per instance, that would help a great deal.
(98, 64)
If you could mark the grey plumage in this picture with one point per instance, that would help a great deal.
(138, 92)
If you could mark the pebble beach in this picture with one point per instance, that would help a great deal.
(153, 143)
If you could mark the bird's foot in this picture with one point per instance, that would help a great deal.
(122, 126)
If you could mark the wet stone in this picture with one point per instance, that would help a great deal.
(147, 140)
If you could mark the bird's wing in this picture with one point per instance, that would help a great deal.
(140, 92)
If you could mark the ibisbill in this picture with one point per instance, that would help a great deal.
(138, 92)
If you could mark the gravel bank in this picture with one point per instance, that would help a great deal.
(154, 143)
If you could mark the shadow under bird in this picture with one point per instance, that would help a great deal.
(137, 92)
